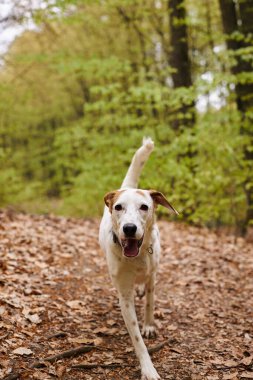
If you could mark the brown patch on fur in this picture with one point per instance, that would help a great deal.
(111, 198)
(140, 192)
(136, 338)
(127, 305)
(134, 323)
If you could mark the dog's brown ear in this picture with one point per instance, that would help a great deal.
(109, 199)
(159, 199)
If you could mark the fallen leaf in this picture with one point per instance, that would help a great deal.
(225, 363)
(98, 341)
(159, 314)
(246, 375)
(105, 331)
(230, 363)
(22, 351)
(172, 328)
(247, 360)
(34, 318)
(60, 370)
(111, 322)
(230, 376)
(75, 304)
(129, 349)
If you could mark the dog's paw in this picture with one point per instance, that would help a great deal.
(148, 143)
(149, 373)
(149, 331)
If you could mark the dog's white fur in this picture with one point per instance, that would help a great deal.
(127, 271)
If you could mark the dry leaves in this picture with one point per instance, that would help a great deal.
(56, 295)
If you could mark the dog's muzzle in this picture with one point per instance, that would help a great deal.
(131, 246)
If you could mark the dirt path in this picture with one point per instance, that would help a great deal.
(56, 295)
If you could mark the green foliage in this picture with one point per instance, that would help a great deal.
(74, 109)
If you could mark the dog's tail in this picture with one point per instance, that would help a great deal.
(134, 171)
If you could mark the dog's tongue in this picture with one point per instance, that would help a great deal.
(130, 247)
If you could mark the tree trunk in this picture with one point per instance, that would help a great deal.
(229, 22)
(179, 58)
(245, 88)
(240, 21)
(245, 63)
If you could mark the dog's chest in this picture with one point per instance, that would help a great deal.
(138, 269)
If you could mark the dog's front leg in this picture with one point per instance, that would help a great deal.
(149, 323)
(126, 298)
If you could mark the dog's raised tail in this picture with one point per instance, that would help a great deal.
(138, 161)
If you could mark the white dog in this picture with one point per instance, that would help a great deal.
(130, 238)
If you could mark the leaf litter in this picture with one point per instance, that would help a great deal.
(60, 318)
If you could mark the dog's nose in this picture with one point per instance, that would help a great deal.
(129, 229)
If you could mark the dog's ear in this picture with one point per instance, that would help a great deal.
(159, 199)
(109, 199)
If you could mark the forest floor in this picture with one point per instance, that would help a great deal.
(56, 295)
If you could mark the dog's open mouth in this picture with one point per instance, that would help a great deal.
(131, 246)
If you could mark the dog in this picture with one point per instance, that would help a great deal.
(129, 236)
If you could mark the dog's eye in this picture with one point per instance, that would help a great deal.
(118, 207)
(144, 207)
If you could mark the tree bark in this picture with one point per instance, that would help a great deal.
(239, 19)
(229, 22)
(246, 65)
(179, 58)
(245, 91)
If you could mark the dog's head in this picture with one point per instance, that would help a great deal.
(133, 214)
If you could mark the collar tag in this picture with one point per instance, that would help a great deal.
(150, 250)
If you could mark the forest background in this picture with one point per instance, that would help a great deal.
(80, 90)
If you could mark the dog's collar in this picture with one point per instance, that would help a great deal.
(115, 238)
(116, 241)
